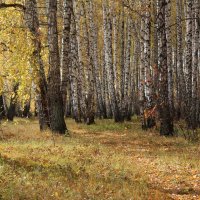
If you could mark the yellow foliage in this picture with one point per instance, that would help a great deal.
(16, 50)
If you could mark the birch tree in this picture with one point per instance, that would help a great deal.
(169, 54)
(195, 71)
(109, 62)
(32, 22)
(57, 122)
(75, 69)
(166, 121)
(188, 66)
(180, 77)
(126, 100)
(94, 48)
(65, 51)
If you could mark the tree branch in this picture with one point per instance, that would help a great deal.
(13, 5)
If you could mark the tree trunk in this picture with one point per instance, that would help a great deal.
(196, 45)
(126, 99)
(32, 22)
(188, 66)
(2, 108)
(93, 43)
(81, 78)
(166, 126)
(65, 51)
(136, 66)
(57, 122)
(74, 72)
(89, 50)
(12, 108)
(142, 75)
(181, 79)
(109, 63)
(122, 56)
(169, 56)
(26, 111)
(149, 100)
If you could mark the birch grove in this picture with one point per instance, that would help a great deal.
(116, 60)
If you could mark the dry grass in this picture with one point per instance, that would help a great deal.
(101, 161)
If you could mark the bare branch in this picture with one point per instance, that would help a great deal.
(13, 5)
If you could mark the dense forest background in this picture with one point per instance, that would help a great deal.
(101, 59)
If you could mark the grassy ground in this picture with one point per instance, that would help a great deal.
(102, 161)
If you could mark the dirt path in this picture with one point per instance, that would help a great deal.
(172, 170)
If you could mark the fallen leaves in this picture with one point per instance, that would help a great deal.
(105, 164)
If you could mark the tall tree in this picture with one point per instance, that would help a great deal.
(65, 51)
(196, 51)
(188, 66)
(75, 69)
(142, 74)
(180, 73)
(57, 122)
(90, 77)
(94, 48)
(122, 50)
(166, 126)
(147, 54)
(109, 62)
(32, 22)
(126, 98)
(169, 55)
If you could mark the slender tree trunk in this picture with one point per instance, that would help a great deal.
(115, 50)
(181, 78)
(155, 73)
(93, 43)
(166, 126)
(155, 37)
(142, 76)
(188, 66)
(105, 89)
(109, 63)
(65, 51)
(12, 108)
(81, 78)
(169, 55)
(196, 45)
(137, 53)
(126, 99)
(122, 49)
(68, 111)
(26, 111)
(75, 80)
(147, 55)
(2, 108)
(32, 22)
(89, 44)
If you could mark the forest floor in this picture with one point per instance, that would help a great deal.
(98, 162)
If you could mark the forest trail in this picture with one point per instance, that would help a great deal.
(101, 161)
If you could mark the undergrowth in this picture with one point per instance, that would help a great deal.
(102, 161)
